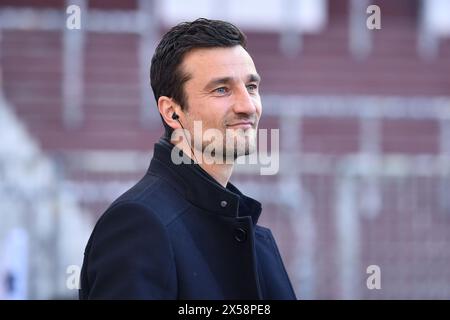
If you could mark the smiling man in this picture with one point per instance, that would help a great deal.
(184, 231)
(226, 106)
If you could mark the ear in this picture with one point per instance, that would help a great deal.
(167, 107)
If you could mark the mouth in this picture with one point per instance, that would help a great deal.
(242, 125)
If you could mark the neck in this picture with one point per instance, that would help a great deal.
(220, 172)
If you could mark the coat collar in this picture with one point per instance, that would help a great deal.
(199, 187)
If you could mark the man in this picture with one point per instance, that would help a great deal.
(183, 231)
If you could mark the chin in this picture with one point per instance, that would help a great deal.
(244, 147)
(239, 143)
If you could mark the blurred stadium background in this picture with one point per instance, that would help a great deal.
(364, 119)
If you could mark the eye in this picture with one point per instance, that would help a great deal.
(221, 90)
(252, 87)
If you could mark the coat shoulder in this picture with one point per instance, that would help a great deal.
(156, 195)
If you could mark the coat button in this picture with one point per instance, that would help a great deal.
(240, 235)
(223, 203)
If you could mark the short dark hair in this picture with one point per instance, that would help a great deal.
(166, 76)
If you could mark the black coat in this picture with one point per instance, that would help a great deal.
(178, 234)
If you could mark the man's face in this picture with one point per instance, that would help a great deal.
(223, 93)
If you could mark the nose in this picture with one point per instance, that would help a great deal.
(244, 103)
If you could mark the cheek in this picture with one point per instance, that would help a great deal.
(219, 111)
(259, 109)
(258, 106)
(212, 117)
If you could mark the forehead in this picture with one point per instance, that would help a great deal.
(206, 63)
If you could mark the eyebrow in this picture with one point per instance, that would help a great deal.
(225, 80)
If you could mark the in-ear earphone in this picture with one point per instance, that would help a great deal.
(176, 117)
